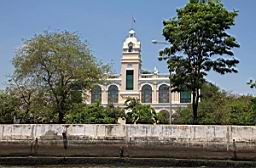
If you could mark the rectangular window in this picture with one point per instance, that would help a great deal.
(185, 97)
(129, 80)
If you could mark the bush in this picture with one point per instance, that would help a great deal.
(220, 108)
(139, 113)
(162, 118)
(93, 114)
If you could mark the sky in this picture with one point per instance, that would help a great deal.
(104, 24)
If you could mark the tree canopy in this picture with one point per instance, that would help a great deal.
(56, 62)
(199, 42)
(219, 107)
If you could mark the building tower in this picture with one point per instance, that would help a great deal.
(130, 67)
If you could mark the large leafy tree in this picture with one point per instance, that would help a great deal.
(55, 62)
(8, 109)
(199, 42)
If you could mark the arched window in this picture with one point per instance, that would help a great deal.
(113, 94)
(96, 94)
(163, 94)
(146, 94)
(130, 47)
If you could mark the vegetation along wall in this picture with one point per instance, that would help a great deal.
(165, 141)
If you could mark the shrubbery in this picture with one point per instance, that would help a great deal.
(93, 114)
(162, 118)
(139, 113)
(220, 107)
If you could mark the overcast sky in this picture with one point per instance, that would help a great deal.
(105, 24)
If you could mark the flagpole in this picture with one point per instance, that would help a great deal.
(133, 22)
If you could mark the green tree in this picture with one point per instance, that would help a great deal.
(132, 115)
(53, 62)
(139, 113)
(94, 114)
(220, 107)
(199, 43)
(204, 1)
(32, 103)
(212, 107)
(7, 108)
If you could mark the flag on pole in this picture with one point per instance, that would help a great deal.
(133, 22)
(133, 19)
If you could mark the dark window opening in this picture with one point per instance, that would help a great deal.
(129, 80)
(185, 97)
(146, 94)
(164, 94)
(113, 94)
(130, 47)
(96, 94)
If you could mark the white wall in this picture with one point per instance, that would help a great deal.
(177, 133)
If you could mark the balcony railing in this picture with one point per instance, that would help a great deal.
(155, 76)
(114, 76)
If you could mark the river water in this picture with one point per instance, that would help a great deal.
(71, 166)
(82, 166)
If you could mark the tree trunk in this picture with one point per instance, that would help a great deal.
(61, 112)
(61, 117)
(195, 106)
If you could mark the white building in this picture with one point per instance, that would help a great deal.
(150, 88)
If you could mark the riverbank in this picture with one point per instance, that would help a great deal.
(116, 161)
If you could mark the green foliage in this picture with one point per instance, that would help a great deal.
(219, 107)
(93, 114)
(7, 108)
(129, 118)
(76, 96)
(162, 118)
(145, 114)
(139, 113)
(32, 105)
(182, 116)
(53, 62)
(205, 1)
(199, 43)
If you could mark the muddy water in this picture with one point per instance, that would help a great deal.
(82, 166)
(70, 166)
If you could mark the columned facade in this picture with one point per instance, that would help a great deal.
(150, 88)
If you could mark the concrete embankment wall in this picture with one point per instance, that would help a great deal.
(158, 141)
